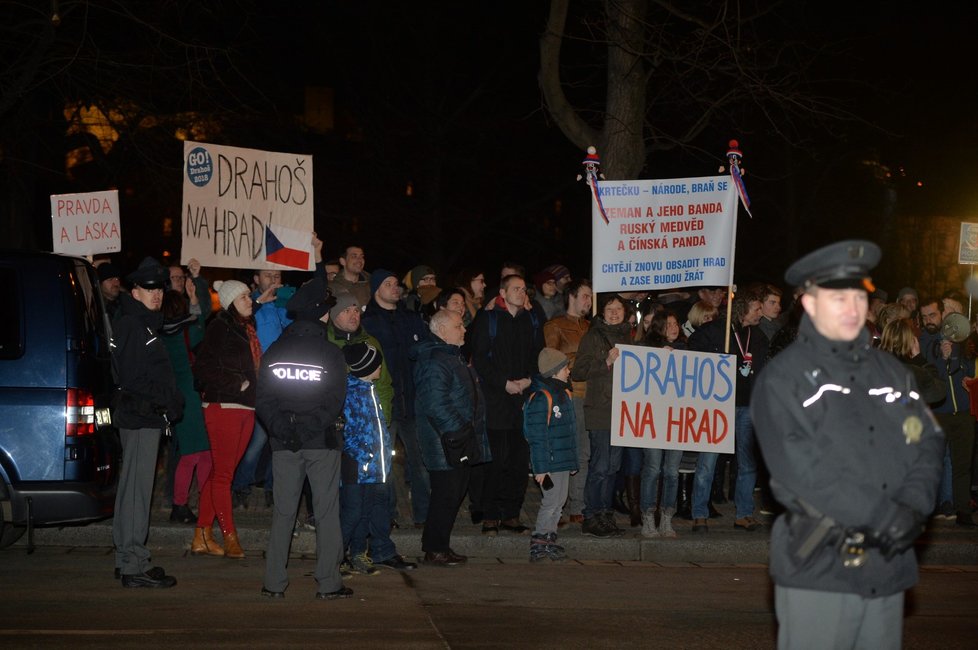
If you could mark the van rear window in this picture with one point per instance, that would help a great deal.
(11, 337)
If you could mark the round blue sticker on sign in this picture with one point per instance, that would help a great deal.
(200, 167)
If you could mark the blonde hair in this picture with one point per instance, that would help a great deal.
(702, 312)
(891, 312)
(898, 338)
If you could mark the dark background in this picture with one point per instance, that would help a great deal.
(443, 98)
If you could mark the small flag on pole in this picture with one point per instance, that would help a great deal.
(734, 155)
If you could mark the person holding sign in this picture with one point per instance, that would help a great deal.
(855, 457)
(750, 345)
(594, 364)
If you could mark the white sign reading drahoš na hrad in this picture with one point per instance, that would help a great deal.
(673, 399)
(663, 234)
(86, 224)
(245, 208)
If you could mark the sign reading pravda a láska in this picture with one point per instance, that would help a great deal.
(663, 234)
(86, 224)
(673, 399)
(245, 208)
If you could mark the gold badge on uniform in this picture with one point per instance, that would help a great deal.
(912, 428)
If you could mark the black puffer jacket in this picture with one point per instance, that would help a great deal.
(301, 389)
(224, 362)
(147, 385)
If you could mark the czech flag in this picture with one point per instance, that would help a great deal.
(288, 247)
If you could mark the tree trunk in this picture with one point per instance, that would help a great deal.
(620, 141)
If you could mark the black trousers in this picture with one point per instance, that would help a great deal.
(505, 477)
(447, 491)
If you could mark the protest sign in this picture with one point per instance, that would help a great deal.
(968, 244)
(86, 224)
(673, 399)
(663, 234)
(244, 208)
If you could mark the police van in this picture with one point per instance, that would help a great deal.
(59, 453)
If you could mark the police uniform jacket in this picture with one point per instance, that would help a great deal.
(301, 389)
(830, 418)
(147, 384)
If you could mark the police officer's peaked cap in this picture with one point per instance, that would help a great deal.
(842, 265)
(150, 274)
(312, 300)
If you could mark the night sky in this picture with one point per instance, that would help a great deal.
(444, 96)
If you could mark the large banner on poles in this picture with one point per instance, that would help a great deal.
(86, 224)
(663, 234)
(245, 208)
(673, 399)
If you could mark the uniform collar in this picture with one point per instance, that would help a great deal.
(854, 350)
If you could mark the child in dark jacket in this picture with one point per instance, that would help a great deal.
(551, 431)
(365, 467)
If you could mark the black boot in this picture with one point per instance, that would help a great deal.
(684, 506)
(633, 491)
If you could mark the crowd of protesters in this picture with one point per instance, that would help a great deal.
(476, 385)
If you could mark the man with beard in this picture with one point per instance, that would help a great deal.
(750, 346)
(954, 413)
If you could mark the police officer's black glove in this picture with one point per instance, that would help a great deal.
(899, 530)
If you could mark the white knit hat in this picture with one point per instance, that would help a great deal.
(229, 290)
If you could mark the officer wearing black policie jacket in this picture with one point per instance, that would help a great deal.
(147, 401)
(301, 390)
(855, 457)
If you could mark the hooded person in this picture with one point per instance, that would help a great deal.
(301, 391)
(422, 287)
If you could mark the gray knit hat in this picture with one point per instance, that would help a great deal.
(344, 299)
(551, 361)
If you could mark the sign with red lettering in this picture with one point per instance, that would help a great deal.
(664, 234)
(245, 208)
(86, 224)
(673, 399)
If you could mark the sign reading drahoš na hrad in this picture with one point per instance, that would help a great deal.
(663, 234)
(245, 208)
(86, 224)
(673, 399)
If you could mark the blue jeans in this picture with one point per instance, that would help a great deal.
(601, 470)
(244, 476)
(706, 464)
(363, 511)
(652, 466)
(417, 475)
(746, 463)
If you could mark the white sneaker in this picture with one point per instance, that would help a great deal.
(648, 524)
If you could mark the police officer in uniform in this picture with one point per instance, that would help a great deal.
(855, 456)
(147, 401)
(301, 390)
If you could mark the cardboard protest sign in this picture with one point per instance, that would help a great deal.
(245, 208)
(663, 234)
(86, 224)
(968, 244)
(673, 399)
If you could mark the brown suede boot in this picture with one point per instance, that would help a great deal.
(232, 547)
(204, 543)
(633, 492)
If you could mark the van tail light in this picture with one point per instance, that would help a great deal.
(79, 413)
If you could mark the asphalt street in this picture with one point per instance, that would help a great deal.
(66, 597)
